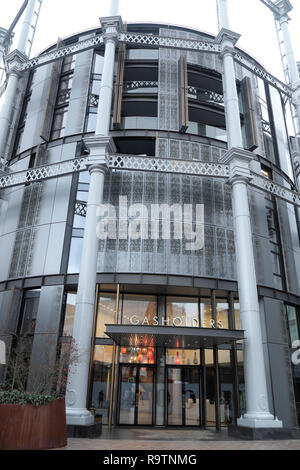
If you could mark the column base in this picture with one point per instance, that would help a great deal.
(263, 434)
(259, 422)
(85, 432)
(79, 417)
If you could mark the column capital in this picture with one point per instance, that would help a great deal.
(111, 27)
(14, 60)
(100, 149)
(227, 37)
(281, 10)
(239, 161)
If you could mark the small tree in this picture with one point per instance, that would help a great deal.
(49, 375)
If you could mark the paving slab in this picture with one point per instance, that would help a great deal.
(149, 439)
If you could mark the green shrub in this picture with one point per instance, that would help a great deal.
(15, 397)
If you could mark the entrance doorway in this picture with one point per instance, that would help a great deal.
(136, 395)
(184, 396)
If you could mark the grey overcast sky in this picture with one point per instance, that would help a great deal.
(250, 18)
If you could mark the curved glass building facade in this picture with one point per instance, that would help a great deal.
(167, 343)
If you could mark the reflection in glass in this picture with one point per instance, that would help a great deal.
(106, 313)
(226, 388)
(128, 395)
(222, 312)
(206, 313)
(101, 375)
(293, 324)
(237, 316)
(145, 395)
(139, 310)
(137, 355)
(75, 255)
(174, 397)
(207, 131)
(136, 395)
(192, 396)
(241, 379)
(30, 311)
(190, 357)
(182, 311)
(69, 314)
(210, 399)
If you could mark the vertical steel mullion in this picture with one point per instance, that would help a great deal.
(203, 380)
(136, 399)
(182, 376)
(213, 305)
(113, 368)
(118, 404)
(233, 355)
(166, 408)
(154, 394)
(231, 319)
(217, 388)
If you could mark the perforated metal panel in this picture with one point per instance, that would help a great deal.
(168, 90)
(216, 259)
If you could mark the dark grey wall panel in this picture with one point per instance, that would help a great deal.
(279, 359)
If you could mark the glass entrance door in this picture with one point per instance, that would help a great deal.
(136, 395)
(184, 398)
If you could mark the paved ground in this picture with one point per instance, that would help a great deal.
(172, 439)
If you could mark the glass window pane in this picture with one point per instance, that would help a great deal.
(206, 312)
(98, 63)
(130, 355)
(190, 357)
(91, 122)
(241, 379)
(79, 221)
(96, 86)
(210, 400)
(101, 380)
(237, 315)
(174, 397)
(84, 177)
(222, 313)
(128, 395)
(30, 310)
(106, 313)
(75, 255)
(69, 314)
(226, 387)
(139, 310)
(69, 63)
(182, 311)
(145, 396)
(293, 324)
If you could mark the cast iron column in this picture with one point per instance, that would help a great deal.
(14, 59)
(7, 108)
(294, 79)
(258, 414)
(100, 146)
(114, 7)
